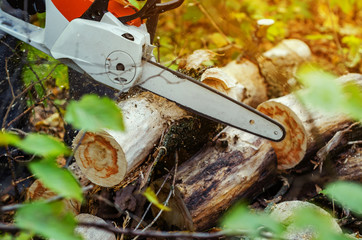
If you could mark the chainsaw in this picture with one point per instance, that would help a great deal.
(111, 43)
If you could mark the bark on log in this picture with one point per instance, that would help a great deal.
(349, 166)
(239, 165)
(306, 129)
(106, 157)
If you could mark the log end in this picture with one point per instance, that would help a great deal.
(38, 191)
(100, 158)
(292, 149)
(224, 83)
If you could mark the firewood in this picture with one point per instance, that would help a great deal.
(38, 191)
(238, 165)
(279, 64)
(306, 129)
(224, 83)
(93, 233)
(284, 213)
(247, 74)
(107, 156)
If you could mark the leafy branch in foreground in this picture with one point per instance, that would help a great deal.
(50, 219)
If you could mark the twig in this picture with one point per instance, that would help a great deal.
(150, 204)
(278, 197)
(118, 208)
(213, 23)
(75, 149)
(8, 77)
(167, 199)
(148, 233)
(22, 93)
(49, 200)
(27, 110)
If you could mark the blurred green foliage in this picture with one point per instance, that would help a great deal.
(40, 68)
(230, 28)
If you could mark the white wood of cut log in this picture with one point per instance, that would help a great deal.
(304, 126)
(93, 233)
(106, 157)
(284, 213)
(224, 83)
(247, 74)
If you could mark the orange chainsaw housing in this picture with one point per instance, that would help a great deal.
(72, 9)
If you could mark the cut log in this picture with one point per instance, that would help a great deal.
(306, 129)
(106, 157)
(284, 213)
(247, 74)
(93, 233)
(239, 165)
(279, 64)
(37, 191)
(224, 83)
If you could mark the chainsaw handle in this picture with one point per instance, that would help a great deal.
(151, 8)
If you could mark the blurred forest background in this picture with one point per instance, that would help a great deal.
(331, 28)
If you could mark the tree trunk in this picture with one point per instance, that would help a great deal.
(238, 165)
(106, 157)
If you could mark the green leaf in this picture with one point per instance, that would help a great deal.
(276, 31)
(353, 50)
(353, 101)
(323, 91)
(348, 194)
(43, 145)
(7, 138)
(42, 67)
(137, 3)
(240, 218)
(61, 181)
(25, 236)
(311, 218)
(346, 5)
(151, 196)
(93, 113)
(47, 219)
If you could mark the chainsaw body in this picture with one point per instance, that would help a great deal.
(116, 50)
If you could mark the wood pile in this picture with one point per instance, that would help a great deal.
(234, 165)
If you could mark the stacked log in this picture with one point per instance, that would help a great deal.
(247, 74)
(38, 191)
(279, 65)
(238, 165)
(213, 179)
(107, 156)
(307, 129)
